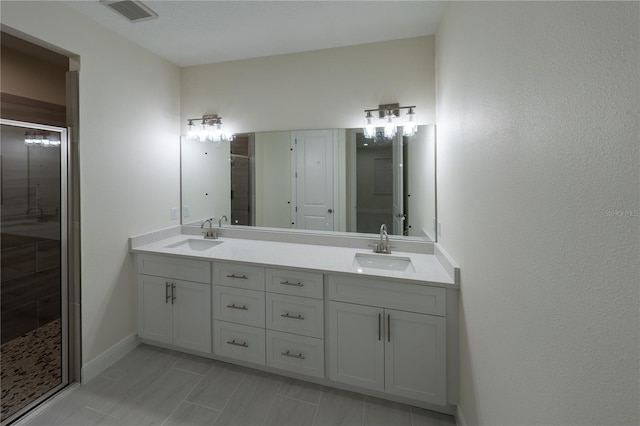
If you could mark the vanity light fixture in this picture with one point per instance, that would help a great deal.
(389, 119)
(39, 138)
(208, 128)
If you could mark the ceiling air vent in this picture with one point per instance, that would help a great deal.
(134, 11)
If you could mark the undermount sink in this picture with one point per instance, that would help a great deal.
(383, 261)
(195, 244)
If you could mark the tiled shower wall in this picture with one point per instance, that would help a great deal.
(30, 235)
(30, 284)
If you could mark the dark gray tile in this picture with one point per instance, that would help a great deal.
(339, 407)
(380, 412)
(18, 261)
(48, 309)
(19, 321)
(422, 417)
(188, 414)
(290, 412)
(301, 390)
(18, 291)
(252, 401)
(217, 386)
(48, 253)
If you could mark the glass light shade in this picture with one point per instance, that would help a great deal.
(192, 132)
(215, 134)
(411, 127)
(29, 138)
(369, 127)
(203, 133)
(389, 126)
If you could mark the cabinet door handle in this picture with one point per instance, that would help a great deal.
(288, 315)
(293, 284)
(379, 326)
(388, 327)
(243, 277)
(233, 306)
(166, 292)
(234, 343)
(290, 355)
(173, 292)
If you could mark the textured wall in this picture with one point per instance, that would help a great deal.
(129, 157)
(322, 89)
(537, 108)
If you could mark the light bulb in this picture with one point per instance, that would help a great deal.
(389, 125)
(192, 132)
(411, 127)
(369, 126)
(29, 138)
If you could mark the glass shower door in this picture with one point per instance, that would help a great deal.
(33, 264)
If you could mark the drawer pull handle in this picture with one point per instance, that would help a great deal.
(288, 315)
(234, 343)
(173, 293)
(290, 355)
(293, 284)
(243, 277)
(166, 293)
(233, 306)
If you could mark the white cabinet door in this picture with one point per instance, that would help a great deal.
(356, 345)
(154, 308)
(415, 356)
(191, 315)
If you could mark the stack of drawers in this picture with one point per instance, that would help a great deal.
(295, 321)
(238, 310)
(269, 316)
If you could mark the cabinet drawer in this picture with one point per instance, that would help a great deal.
(176, 268)
(300, 354)
(238, 275)
(238, 305)
(298, 315)
(294, 283)
(388, 294)
(239, 341)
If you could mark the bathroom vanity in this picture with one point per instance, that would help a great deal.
(320, 308)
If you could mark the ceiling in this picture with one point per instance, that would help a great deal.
(201, 32)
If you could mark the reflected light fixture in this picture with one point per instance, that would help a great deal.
(42, 138)
(389, 118)
(209, 129)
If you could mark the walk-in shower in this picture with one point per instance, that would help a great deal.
(34, 291)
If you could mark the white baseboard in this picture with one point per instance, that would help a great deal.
(460, 420)
(97, 365)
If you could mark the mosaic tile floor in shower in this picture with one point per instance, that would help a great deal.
(31, 366)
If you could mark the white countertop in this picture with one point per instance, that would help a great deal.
(321, 258)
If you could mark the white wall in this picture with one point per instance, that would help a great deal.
(537, 144)
(129, 154)
(321, 89)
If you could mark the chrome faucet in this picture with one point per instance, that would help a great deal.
(210, 233)
(220, 221)
(383, 246)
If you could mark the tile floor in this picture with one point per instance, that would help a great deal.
(153, 386)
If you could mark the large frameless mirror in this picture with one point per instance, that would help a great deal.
(331, 180)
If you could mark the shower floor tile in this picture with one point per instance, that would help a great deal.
(31, 366)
